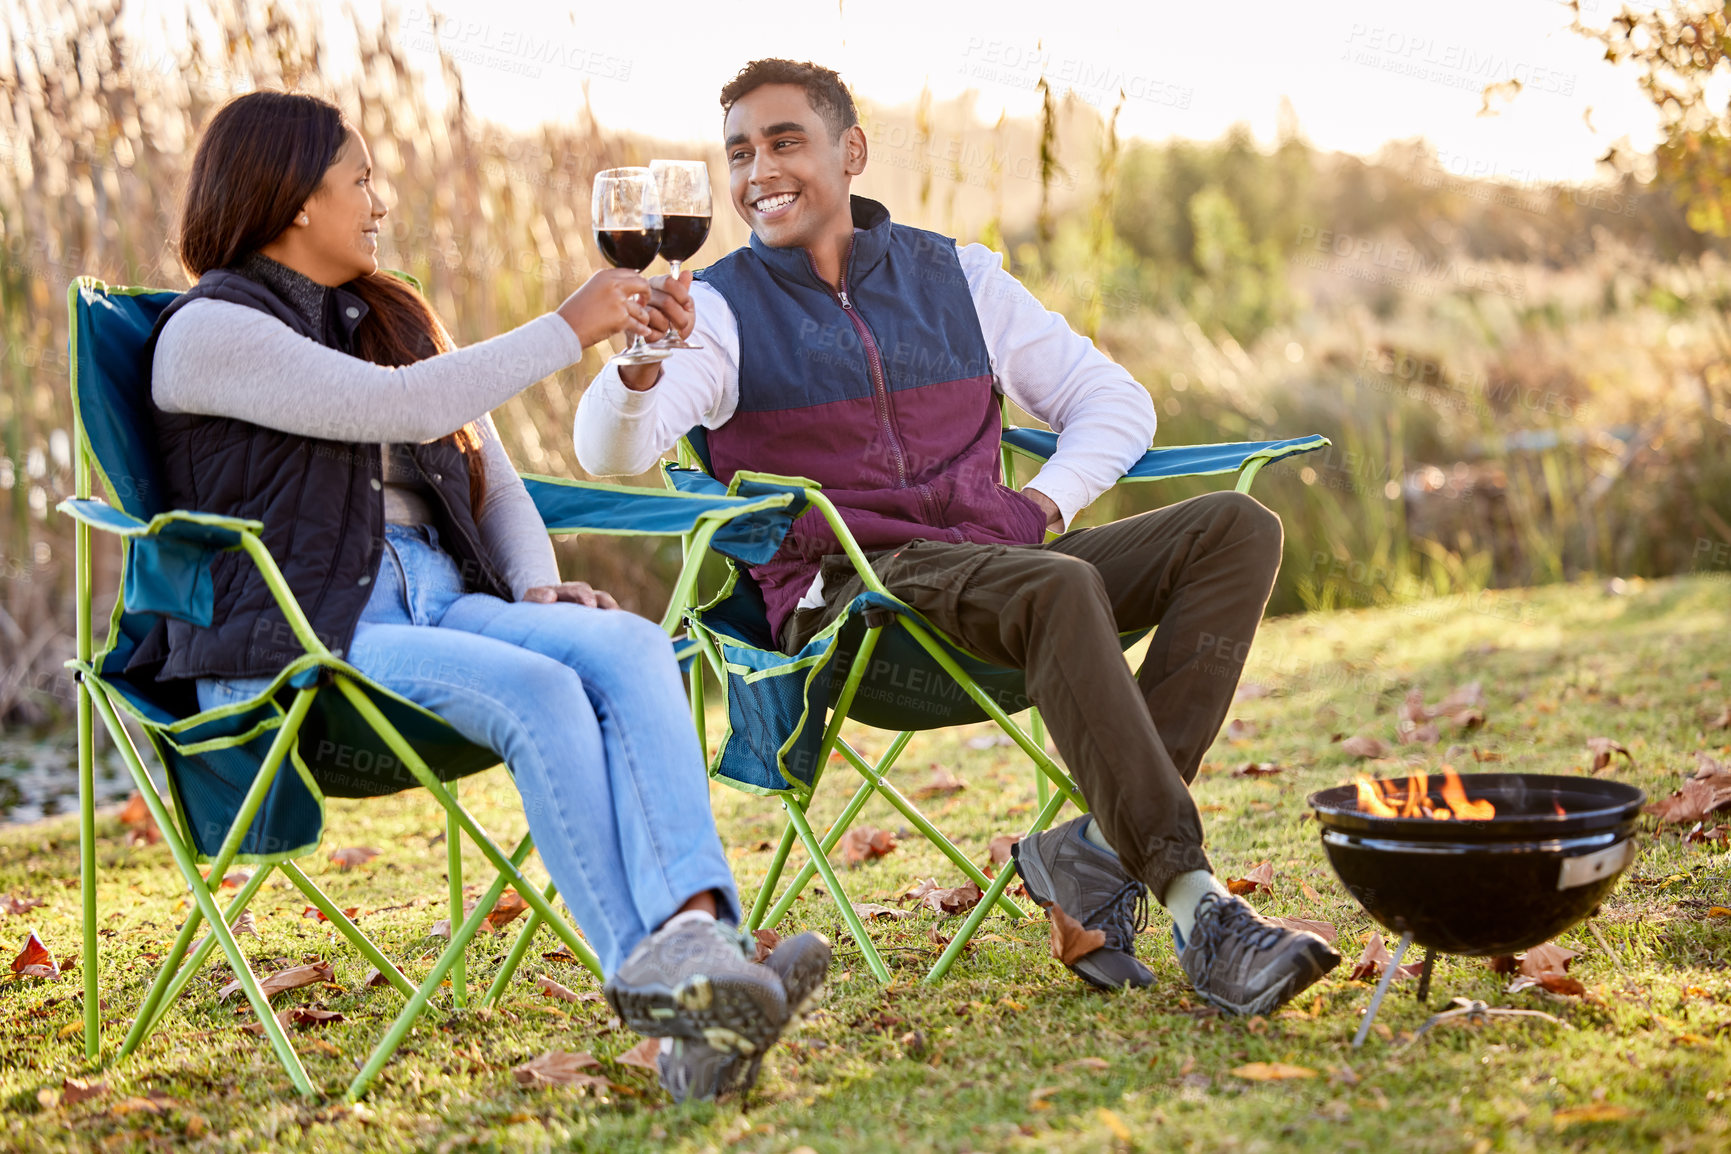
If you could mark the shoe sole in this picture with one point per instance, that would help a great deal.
(1038, 882)
(1322, 958)
(735, 1012)
(802, 963)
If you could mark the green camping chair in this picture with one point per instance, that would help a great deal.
(229, 797)
(882, 665)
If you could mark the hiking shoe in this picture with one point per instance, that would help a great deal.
(696, 1071)
(1245, 964)
(694, 978)
(1062, 867)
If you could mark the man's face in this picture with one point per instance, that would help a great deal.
(787, 173)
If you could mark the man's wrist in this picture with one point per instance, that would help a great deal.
(639, 378)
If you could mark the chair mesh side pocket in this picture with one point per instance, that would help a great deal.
(776, 708)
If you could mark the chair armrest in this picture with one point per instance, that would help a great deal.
(168, 563)
(1179, 460)
(212, 529)
(749, 526)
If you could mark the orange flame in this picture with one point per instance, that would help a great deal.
(1370, 799)
(1388, 799)
(1456, 795)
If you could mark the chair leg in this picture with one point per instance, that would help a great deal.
(1037, 731)
(174, 975)
(831, 837)
(87, 849)
(454, 873)
(837, 893)
(932, 833)
(461, 935)
(345, 926)
(279, 1042)
(465, 822)
(767, 889)
(521, 945)
(999, 884)
(832, 741)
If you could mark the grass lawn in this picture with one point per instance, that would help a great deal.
(1012, 1052)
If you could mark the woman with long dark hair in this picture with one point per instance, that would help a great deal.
(298, 385)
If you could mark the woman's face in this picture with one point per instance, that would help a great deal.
(342, 230)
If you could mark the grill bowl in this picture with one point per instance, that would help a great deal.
(1485, 887)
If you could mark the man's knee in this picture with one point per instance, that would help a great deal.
(1248, 519)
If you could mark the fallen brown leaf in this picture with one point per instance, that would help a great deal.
(1271, 1072)
(135, 816)
(1240, 730)
(865, 844)
(1426, 734)
(1376, 958)
(998, 852)
(76, 1090)
(292, 978)
(34, 960)
(348, 859)
(319, 915)
(16, 905)
(1723, 721)
(1708, 790)
(507, 909)
(1595, 1112)
(560, 1068)
(870, 910)
(1604, 749)
(1362, 746)
(554, 990)
(942, 784)
(1259, 877)
(1258, 769)
(956, 900)
(642, 1055)
(1546, 967)
(767, 940)
(1323, 930)
(1249, 691)
(1069, 940)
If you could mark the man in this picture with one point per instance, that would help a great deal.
(868, 356)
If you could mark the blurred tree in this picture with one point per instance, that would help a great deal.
(1683, 53)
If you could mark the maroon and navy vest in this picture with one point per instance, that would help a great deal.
(879, 389)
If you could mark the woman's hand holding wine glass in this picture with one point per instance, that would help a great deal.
(611, 301)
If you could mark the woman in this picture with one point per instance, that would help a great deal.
(298, 385)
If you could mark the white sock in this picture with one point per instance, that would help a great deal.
(1093, 834)
(667, 1045)
(1184, 893)
(688, 916)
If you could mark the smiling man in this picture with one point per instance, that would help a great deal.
(869, 356)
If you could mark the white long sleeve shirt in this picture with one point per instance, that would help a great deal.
(1104, 419)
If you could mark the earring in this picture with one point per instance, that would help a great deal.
(302, 220)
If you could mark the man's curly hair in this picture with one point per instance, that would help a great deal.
(823, 87)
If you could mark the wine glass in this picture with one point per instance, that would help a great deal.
(626, 213)
(686, 210)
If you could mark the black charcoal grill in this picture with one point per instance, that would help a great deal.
(1553, 851)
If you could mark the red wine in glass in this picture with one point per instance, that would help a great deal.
(686, 206)
(682, 234)
(632, 248)
(625, 211)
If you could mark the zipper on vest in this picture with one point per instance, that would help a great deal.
(874, 363)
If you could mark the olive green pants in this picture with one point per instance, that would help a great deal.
(1199, 572)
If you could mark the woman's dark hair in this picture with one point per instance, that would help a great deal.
(262, 157)
(823, 88)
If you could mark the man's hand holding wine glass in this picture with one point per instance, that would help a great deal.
(670, 307)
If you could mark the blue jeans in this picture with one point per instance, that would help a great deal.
(587, 709)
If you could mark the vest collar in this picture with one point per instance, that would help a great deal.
(871, 240)
(323, 309)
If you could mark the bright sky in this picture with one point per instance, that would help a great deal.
(1358, 72)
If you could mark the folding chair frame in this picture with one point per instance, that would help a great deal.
(317, 671)
(1055, 786)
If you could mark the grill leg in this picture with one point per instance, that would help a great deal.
(1424, 974)
(1381, 989)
